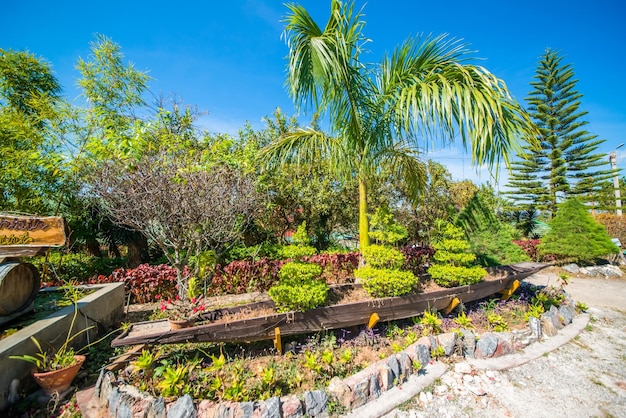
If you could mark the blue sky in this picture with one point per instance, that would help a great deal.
(228, 58)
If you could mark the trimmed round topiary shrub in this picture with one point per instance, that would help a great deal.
(298, 288)
(380, 283)
(381, 257)
(452, 260)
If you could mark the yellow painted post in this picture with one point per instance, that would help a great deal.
(510, 290)
(453, 304)
(277, 342)
(374, 318)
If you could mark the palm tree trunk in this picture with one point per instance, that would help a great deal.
(364, 225)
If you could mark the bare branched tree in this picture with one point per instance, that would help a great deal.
(179, 204)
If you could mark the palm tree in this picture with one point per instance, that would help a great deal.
(380, 116)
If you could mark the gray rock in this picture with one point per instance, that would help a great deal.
(361, 392)
(316, 403)
(551, 315)
(422, 353)
(566, 313)
(547, 324)
(394, 365)
(374, 388)
(104, 386)
(292, 407)
(271, 408)
(571, 268)
(447, 341)
(245, 409)
(557, 317)
(386, 378)
(486, 345)
(341, 392)
(535, 327)
(468, 342)
(114, 400)
(182, 408)
(406, 367)
(607, 270)
(156, 409)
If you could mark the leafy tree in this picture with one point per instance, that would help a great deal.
(298, 192)
(574, 235)
(567, 162)
(378, 114)
(384, 228)
(29, 93)
(178, 204)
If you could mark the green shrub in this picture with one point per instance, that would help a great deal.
(297, 271)
(614, 225)
(384, 229)
(380, 283)
(452, 276)
(381, 257)
(297, 252)
(298, 288)
(452, 260)
(495, 247)
(575, 236)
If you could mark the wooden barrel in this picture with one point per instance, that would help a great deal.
(19, 284)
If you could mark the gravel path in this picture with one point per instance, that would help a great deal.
(586, 377)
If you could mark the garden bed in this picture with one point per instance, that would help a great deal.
(268, 326)
(344, 368)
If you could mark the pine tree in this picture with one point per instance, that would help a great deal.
(575, 236)
(566, 164)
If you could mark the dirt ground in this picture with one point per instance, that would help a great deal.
(586, 377)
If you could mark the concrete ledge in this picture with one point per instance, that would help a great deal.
(100, 310)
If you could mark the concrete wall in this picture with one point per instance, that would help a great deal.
(101, 309)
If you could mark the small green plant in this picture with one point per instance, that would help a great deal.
(581, 307)
(172, 381)
(410, 338)
(463, 320)
(437, 352)
(384, 229)
(144, 363)
(431, 322)
(311, 362)
(55, 359)
(497, 322)
(534, 310)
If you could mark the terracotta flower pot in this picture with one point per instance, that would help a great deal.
(180, 323)
(59, 380)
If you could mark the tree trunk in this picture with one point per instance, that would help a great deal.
(93, 247)
(364, 225)
(137, 250)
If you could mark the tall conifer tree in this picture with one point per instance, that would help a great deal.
(567, 163)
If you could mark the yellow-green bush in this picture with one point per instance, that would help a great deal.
(382, 257)
(381, 283)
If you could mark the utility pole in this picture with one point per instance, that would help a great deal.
(618, 198)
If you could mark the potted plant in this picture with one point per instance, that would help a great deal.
(56, 368)
(180, 313)
(54, 371)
